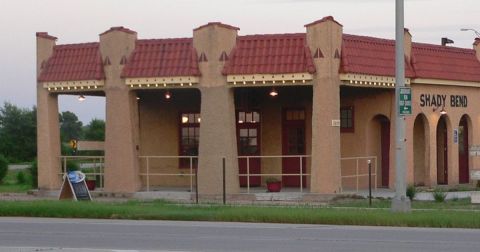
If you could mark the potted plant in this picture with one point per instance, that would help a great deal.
(273, 184)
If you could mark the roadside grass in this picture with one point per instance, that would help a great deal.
(452, 204)
(11, 185)
(161, 210)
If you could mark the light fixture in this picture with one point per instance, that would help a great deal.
(470, 29)
(168, 95)
(138, 98)
(81, 98)
(184, 119)
(442, 111)
(273, 92)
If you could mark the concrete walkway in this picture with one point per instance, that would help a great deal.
(426, 196)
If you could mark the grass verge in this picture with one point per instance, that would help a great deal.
(11, 185)
(160, 210)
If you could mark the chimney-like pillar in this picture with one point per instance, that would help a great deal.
(476, 46)
(326, 35)
(48, 129)
(218, 128)
(121, 126)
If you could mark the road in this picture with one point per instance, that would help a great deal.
(26, 234)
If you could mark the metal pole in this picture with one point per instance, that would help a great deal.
(370, 182)
(224, 188)
(400, 203)
(196, 184)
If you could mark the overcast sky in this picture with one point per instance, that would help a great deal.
(82, 21)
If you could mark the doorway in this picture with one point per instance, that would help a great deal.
(442, 151)
(420, 153)
(381, 134)
(293, 143)
(463, 161)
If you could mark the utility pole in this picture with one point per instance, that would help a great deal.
(400, 203)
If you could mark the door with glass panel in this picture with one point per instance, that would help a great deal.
(293, 144)
(248, 140)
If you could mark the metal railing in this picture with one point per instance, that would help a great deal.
(301, 174)
(92, 166)
(149, 174)
(358, 175)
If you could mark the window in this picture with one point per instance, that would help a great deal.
(346, 119)
(248, 125)
(189, 138)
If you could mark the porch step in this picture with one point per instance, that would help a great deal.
(280, 196)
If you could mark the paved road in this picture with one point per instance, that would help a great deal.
(25, 234)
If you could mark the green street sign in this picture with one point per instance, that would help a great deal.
(405, 101)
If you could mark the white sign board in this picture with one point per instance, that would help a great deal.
(475, 175)
(474, 150)
(335, 123)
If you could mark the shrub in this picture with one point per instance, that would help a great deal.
(72, 166)
(3, 167)
(439, 195)
(21, 177)
(34, 172)
(411, 191)
(271, 180)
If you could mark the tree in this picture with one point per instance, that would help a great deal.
(70, 126)
(18, 133)
(95, 130)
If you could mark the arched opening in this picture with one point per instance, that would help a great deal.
(442, 151)
(381, 137)
(420, 152)
(463, 142)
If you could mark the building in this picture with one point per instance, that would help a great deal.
(315, 105)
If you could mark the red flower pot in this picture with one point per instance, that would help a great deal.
(274, 186)
(90, 184)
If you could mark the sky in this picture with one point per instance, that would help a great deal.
(82, 20)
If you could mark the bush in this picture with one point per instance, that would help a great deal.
(439, 195)
(72, 166)
(411, 191)
(3, 167)
(21, 177)
(34, 173)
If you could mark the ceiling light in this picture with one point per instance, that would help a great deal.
(168, 95)
(81, 98)
(273, 92)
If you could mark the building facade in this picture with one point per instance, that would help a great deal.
(308, 108)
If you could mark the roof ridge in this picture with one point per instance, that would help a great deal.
(163, 39)
(85, 44)
(273, 35)
(445, 48)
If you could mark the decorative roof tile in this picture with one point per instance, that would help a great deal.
(371, 56)
(73, 62)
(45, 35)
(270, 54)
(219, 24)
(327, 18)
(162, 57)
(118, 28)
(444, 62)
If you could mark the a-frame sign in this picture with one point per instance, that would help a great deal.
(73, 190)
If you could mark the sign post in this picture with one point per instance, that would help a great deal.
(403, 97)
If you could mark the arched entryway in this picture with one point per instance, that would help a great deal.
(442, 151)
(463, 142)
(420, 151)
(381, 124)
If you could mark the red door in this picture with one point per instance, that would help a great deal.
(385, 145)
(248, 140)
(464, 176)
(293, 143)
(442, 152)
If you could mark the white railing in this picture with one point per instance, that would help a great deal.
(149, 174)
(301, 174)
(361, 163)
(91, 166)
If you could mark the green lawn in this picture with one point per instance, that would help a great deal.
(160, 210)
(460, 204)
(10, 184)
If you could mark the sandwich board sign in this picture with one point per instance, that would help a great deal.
(74, 187)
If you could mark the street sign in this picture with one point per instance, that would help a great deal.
(405, 101)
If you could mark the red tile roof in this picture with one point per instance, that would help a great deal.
(219, 24)
(270, 54)
(444, 62)
(372, 56)
(162, 57)
(73, 62)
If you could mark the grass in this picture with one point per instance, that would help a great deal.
(454, 204)
(161, 210)
(11, 185)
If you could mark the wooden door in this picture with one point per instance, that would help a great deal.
(442, 152)
(293, 143)
(385, 150)
(248, 140)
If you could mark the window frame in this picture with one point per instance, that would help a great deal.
(347, 129)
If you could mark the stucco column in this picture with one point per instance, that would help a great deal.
(476, 47)
(326, 35)
(433, 121)
(121, 126)
(48, 128)
(217, 128)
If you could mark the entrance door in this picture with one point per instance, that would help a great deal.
(293, 143)
(463, 174)
(442, 152)
(248, 139)
(385, 151)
